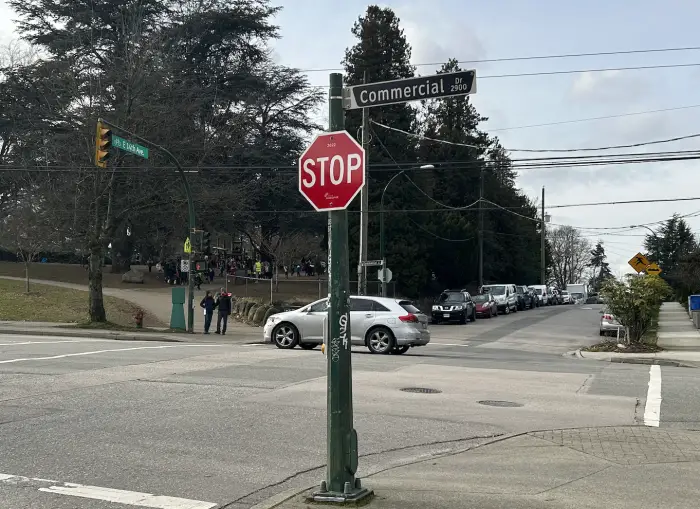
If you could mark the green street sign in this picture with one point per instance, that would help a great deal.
(129, 146)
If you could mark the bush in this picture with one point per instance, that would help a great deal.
(259, 315)
(635, 302)
(251, 311)
(246, 308)
(270, 311)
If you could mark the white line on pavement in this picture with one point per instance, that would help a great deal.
(133, 498)
(652, 409)
(56, 342)
(433, 343)
(95, 352)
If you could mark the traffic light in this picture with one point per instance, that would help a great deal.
(206, 240)
(103, 140)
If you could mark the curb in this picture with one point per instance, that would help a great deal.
(284, 496)
(606, 357)
(86, 333)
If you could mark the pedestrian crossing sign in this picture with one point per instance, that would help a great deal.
(639, 262)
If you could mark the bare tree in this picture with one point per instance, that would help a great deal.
(570, 253)
(28, 229)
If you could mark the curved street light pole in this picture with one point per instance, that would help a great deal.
(381, 221)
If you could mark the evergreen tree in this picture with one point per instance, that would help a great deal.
(601, 268)
(669, 246)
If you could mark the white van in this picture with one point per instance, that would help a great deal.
(506, 297)
(542, 292)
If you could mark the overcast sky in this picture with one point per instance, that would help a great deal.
(315, 35)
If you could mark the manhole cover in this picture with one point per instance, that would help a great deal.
(490, 402)
(421, 390)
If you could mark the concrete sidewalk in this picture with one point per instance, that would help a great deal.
(588, 468)
(676, 330)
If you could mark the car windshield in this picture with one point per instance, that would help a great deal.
(577, 295)
(520, 289)
(451, 297)
(497, 290)
(565, 293)
(481, 298)
(538, 291)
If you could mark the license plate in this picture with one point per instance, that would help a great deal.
(445, 315)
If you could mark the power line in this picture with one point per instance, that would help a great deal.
(538, 57)
(574, 71)
(467, 145)
(588, 119)
(624, 202)
(438, 236)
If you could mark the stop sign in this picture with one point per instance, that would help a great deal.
(332, 171)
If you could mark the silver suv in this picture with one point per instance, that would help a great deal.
(381, 324)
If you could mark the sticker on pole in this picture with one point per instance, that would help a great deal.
(332, 171)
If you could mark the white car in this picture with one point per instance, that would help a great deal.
(381, 324)
(566, 298)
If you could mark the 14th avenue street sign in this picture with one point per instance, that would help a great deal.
(129, 146)
(411, 89)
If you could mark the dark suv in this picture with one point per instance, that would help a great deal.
(526, 298)
(453, 305)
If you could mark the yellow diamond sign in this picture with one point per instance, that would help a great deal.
(653, 269)
(639, 262)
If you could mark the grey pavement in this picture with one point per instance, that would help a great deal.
(612, 467)
(676, 330)
(224, 425)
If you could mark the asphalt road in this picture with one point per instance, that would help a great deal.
(101, 423)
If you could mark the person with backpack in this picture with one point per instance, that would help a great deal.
(223, 304)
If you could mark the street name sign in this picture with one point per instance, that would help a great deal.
(411, 89)
(654, 269)
(639, 262)
(332, 171)
(372, 263)
(129, 146)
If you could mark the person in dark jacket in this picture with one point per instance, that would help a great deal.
(208, 304)
(224, 306)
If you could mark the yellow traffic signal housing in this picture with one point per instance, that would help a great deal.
(103, 140)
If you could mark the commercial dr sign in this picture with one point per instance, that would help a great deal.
(411, 89)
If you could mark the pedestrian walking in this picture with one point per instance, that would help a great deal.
(208, 304)
(224, 307)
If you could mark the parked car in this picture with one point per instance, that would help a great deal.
(526, 299)
(486, 306)
(505, 295)
(609, 326)
(566, 298)
(542, 293)
(383, 325)
(453, 305)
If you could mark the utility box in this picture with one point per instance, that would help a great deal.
(695, 315)
(694, 303)
(177, 315)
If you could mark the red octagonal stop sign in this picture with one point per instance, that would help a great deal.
(332, 171)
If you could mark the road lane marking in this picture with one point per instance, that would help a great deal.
(95, 352)
(652, 409)
(133, 498)
(56, 342)
(448, 344)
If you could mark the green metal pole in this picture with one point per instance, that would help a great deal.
(340, 484)
(190, 212)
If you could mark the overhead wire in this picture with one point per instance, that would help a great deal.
(538, 57)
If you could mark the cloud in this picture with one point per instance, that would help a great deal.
(435, 38)
(610, 86)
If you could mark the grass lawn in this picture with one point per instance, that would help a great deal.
(53, 304)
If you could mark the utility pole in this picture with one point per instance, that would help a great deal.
(481, 230)
(364, 208)
(542, 262)
(340, 484)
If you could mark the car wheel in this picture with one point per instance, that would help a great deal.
(463, 320)
(474, 315)
(380, 340)
(308, 346)
(285, 336)
(507, 311)
(602, 333)
(515, 308)
(399, 350)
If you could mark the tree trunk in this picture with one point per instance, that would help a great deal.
(26, 277)
(96, 299)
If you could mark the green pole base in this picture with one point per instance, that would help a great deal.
(350, 496)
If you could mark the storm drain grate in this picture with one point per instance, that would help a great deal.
(490, 402)
(421, 390)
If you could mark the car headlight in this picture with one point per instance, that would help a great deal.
(272, 320)
(436, 308)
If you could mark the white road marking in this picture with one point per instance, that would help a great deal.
(652, 409)
(56, 342)
(447, 344)
(133, 498)
(95, 352)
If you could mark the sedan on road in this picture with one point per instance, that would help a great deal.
(381, 324)
(609, 326)
(486, 306)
